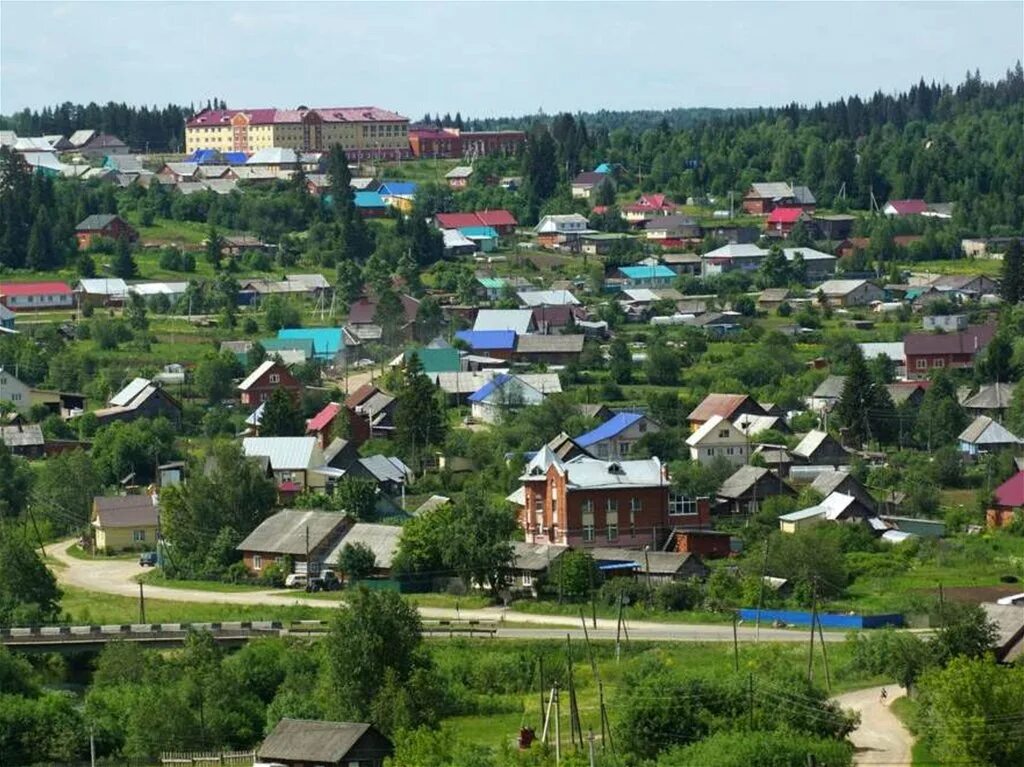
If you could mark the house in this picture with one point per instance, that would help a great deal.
(753, 425)
(324, 425)
(435, 360)
(983, 435)
(549, 349)
(370, 204)
(502, 395)
(458, 177)
(717, 438)
(125, 522)
(817, 264)
(654, 276)
(907, 393)
(362, 317)
(734, 256)
(707, 544)
(604, 243)
(23, 439)
(25, 296)
(371, 412)
(990, 399)
(565, 447)
(834, 227)
(6, 319)
(389, 473)
(178, 172)
(819, 448)
(534, 298)
(142, 398)
(103, 225)
(927, 351)
(295, 461)
(728, 406)
(827, 394)
(781, 220)
(274, 159)
(519, 321)
(584, 500)
(837, 507)
(101, 291)
(682, 263)
(585, 185)
(771, 299)
(499, 344)
(947, 323)
(15, 392)
(965, 285)
(648, 566)
(747, 487)
(1007, 502)
(302, 536)
(842, 481)
(484, 238)
(500, 220)
(614, 438)
(891, 350)
(100, 145)
(303, 743)
(763, 197)
(328, 343)
(530, 563)
(457, 244)
(672, 230)
(905, 208)
(648, 207)
(268, 376)
(382, 540)
(399, 194)
(552, 320)
(850, 292)
(558, 232)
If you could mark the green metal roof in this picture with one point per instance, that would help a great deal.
(437, 360)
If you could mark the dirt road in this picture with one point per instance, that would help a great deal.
(881, 737)
(117, 576)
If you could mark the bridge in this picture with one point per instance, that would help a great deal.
(93, 638)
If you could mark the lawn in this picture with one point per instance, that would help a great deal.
(78, 552)
(630, 613)
(84, 607)
(921, 755)
(157, 578)
(986, 266)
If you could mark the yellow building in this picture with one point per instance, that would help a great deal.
(363, 132)
(125, 522)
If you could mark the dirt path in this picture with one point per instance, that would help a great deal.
(881, 737)
(117, 576)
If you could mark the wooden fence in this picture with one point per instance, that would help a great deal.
(208, 758)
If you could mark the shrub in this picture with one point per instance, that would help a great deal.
(630, 591)
(677, 596)
(273, 575)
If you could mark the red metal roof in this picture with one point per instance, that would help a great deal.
(360, 395)
(479, 218)
(909, 207)
(269, 116)
(647, 202)
(1011, 492)
(970, 341)
(785, 215)
(323, 419)
(33, 288)
(717, 404)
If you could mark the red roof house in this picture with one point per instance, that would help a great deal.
(905, 208)
(268, 376)
(21, 296)
(926, 352)
(782, 220)
(649, 206)
(1009, 499)
(321, 425)
(728, 406)
(500, 220)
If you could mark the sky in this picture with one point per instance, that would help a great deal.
(486, 59)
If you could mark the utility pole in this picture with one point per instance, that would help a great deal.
(142, 605)
(540, 665)
(735, 645)
(750, 700)
(591, 741)
(814, 615)
(618, 631)
(558, 731)
(309, 569)
(647, 566)
(824, 656)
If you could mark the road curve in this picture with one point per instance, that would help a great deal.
(117, 576)
(881, 737)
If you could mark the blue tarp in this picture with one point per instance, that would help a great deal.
(485, 391)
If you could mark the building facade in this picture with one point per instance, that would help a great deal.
(363, 132)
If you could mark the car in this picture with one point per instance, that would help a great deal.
(326, 581)
(148, 559)
(296, 581)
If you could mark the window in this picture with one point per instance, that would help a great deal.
(587, 507)
(527, 579)
(613, 531)
(623, 449)
(588, 523)
(138, 536)
(922, 364)
(588, 532)
(257, 562)
(938, 362)
(611, 506)
(723, 434)
(635, 505)
(710, 451)
(680, 505)
(728, 451)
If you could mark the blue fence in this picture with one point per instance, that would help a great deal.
(799, 617)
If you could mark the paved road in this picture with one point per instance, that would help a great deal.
(881, 737)
(116, 576)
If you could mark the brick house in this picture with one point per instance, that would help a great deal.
(763, 197)
(260, 383)
(103, 225)
(290, 534)
(926, 352)
(586, 502)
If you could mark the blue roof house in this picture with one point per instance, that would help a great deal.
(502, 395)
(615, 437)
(496, 343)
(486, 237)
(657, 276)
(328, 343)
(369, 203)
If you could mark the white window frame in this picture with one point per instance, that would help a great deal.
(275, 378)
(612, 531)
(139, 536)
(678, 506)
(257, 562)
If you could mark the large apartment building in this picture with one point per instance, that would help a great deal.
(364, 132)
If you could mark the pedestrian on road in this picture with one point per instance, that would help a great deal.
(883, 696)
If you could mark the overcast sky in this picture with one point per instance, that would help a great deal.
(489, 58)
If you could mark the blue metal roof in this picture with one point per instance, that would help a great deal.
(647, 272)
(403, 188)
(234, 158)
(488, 339)
(480, 231)
(485, 391)
(327, 342)
(368, 200)
(603, 168)
(614, 425)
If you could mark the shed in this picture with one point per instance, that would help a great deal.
(303, 743)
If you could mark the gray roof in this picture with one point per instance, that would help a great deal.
(129, 393)
(755, 424)
(774, 294)
(831, 387)
(432, 503)
(995, 396)
(984, 431)
(811, 442)
(385, 469)
(29, 435)
(772, 189)
(460, 171)
(273, 156)
(95, 222)
(530, 344)
(535, 557)
(125, 511)
(741, 481)
(503, 319)
(5, 313)
(661, 562)
(300, 740)
(284, 452)
(382, 540)
(285, 532)
(830, 479)
(533, 298)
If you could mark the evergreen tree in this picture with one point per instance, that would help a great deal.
(940, 418)
(419, 416)
(539, 170)
(390, 315)
(124, 262)
(339, 180)
(1012, 283)
(865, 408)
(620, 364)
(774, 270)
(41, 252)
(281, 416)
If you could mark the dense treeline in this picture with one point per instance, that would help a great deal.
(152, 128)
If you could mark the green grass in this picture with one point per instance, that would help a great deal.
(921, 755)
(157, 578)
(78, 552)
(81, 607)
(985, 266)
(631, 613)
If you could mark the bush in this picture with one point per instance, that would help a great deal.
(273, 575)
(677, 596)
(631, 592)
